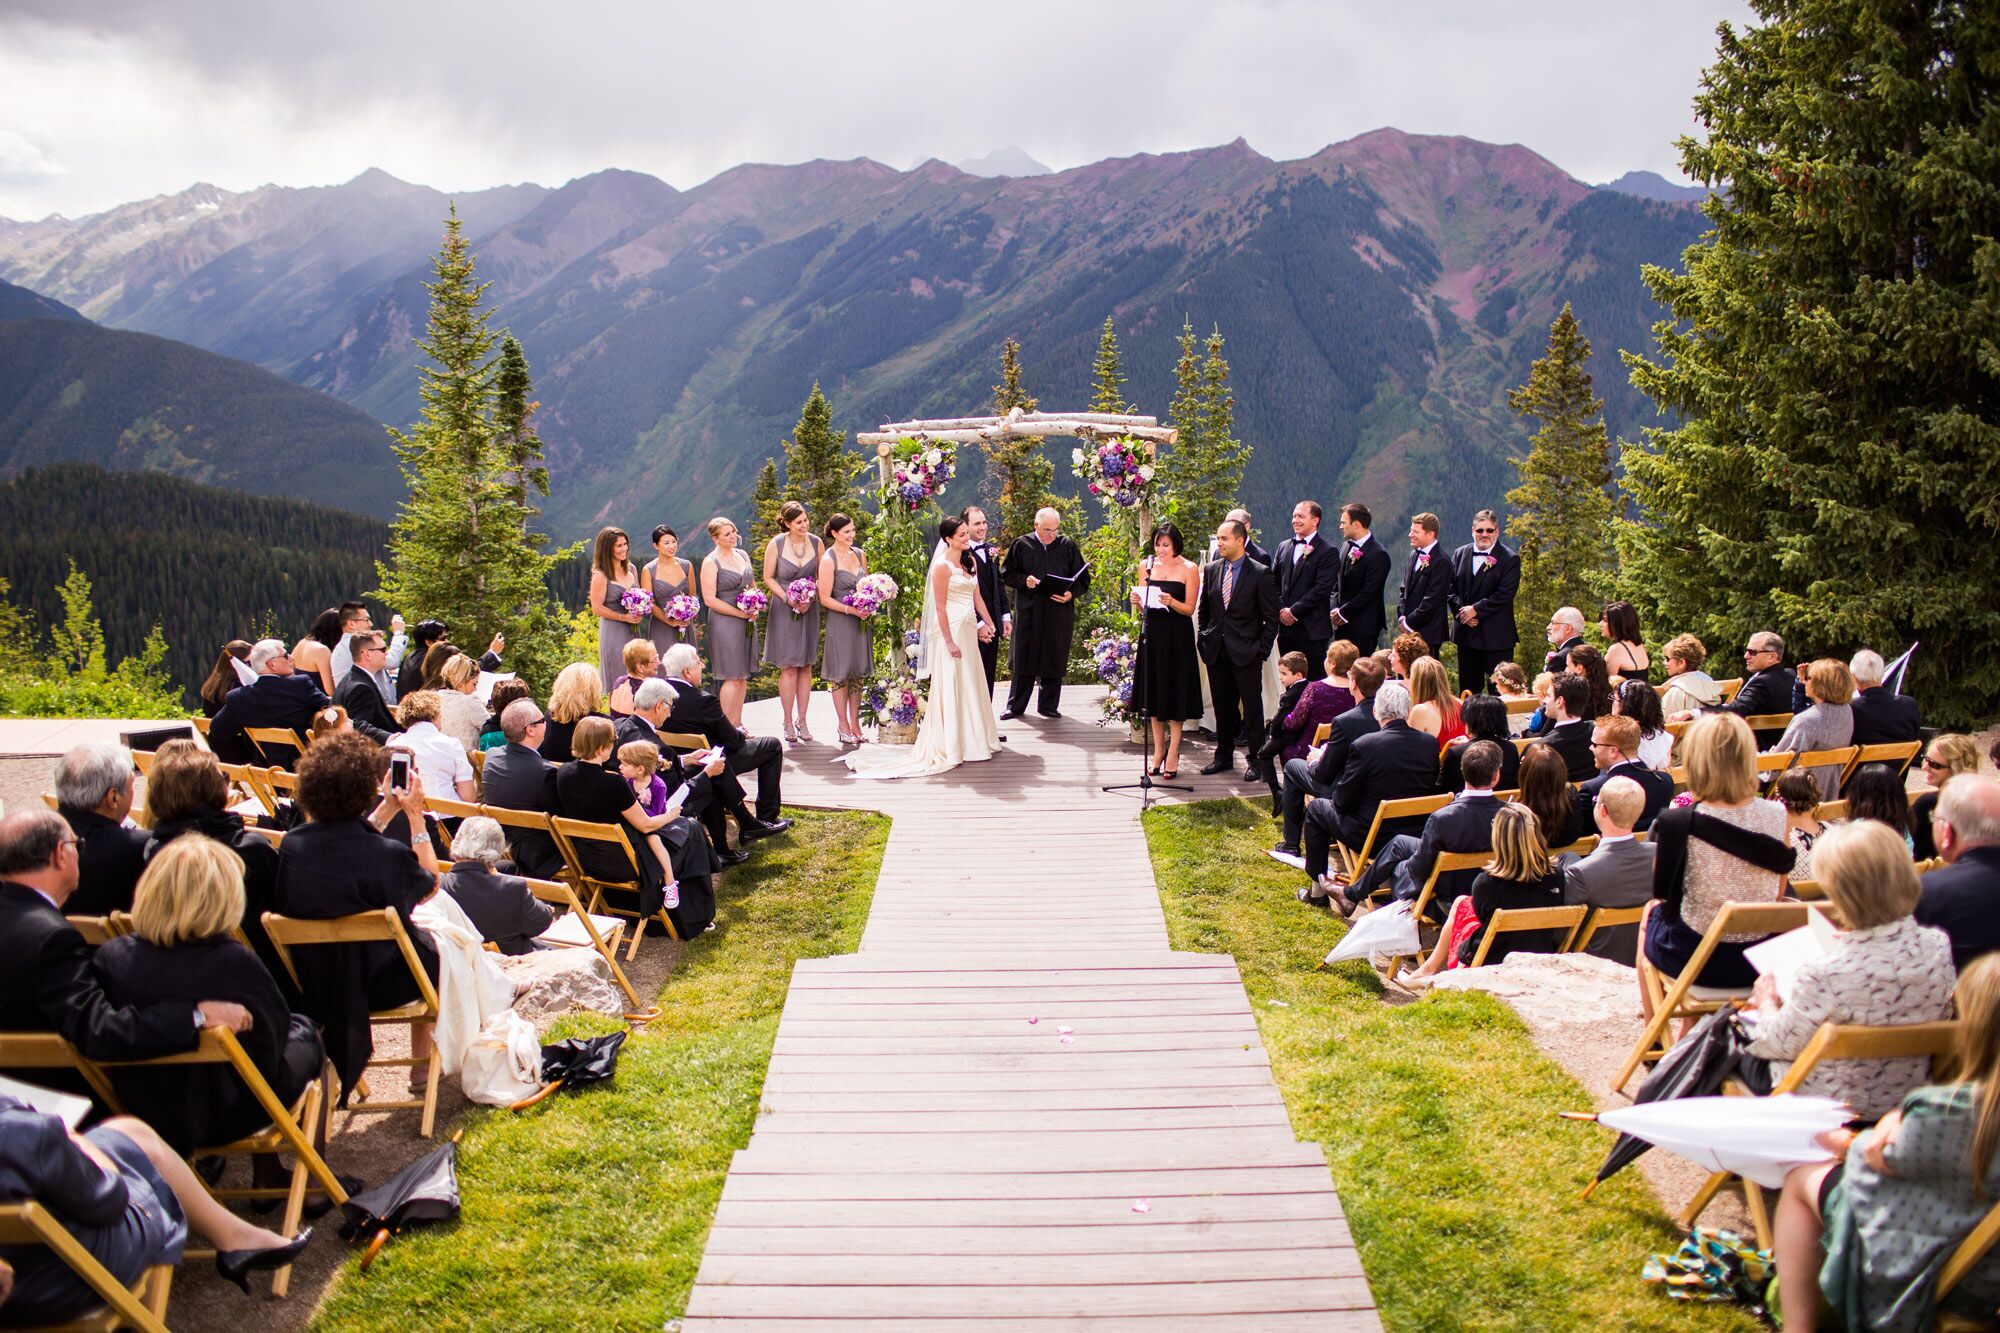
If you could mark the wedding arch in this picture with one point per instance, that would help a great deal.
(1016, 424)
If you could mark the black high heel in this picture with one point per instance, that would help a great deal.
(237, 1265)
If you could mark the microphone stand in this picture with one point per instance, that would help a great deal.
(1145, 786)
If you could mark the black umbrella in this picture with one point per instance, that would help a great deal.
(423, 1192)
(1694, 1066)
(576, 1063)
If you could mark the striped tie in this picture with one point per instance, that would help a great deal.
(1228, 581)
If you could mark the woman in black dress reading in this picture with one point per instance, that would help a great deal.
(1166, 682)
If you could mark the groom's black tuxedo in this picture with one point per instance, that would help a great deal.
(1234, 641)
(1360, 574)
(987, 569)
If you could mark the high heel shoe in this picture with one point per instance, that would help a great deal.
(237, 1265)
(1154, 770)
(791, 733)
(805, 737)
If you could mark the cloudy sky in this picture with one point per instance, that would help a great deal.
(104, 102)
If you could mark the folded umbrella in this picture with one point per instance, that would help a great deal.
(1694, 1066)
(1758, 1138)
(423, 1192)
(576, 1063)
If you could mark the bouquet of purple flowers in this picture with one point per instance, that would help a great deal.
(919, 470)
(871, 593)
(753, 602)
(637, 602)
(1118, 471)
(1115, 658)
(801, 593)
(893, 699)
(682, 608)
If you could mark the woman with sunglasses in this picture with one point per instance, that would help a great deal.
(1947, 756)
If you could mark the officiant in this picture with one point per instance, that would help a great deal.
(1047, 574)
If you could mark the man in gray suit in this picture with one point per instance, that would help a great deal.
(516, 777)
(1619, 873)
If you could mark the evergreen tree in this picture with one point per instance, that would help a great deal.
(1107, 375)
(1562, 508)
(524, 473)
(461, 548)
(1025, 476)
(819, 471)
(765, 500)
(1203, 470)
(1835, 475)
(76, 680)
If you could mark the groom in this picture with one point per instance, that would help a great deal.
(1239, 619)
(1047, 574)
(992, 589)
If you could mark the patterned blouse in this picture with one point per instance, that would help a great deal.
(1898, 973)
(1714, 877)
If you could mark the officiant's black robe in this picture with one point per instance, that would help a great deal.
(1042, 628)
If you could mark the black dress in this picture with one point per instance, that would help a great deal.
(587, 792)
(1166, 682)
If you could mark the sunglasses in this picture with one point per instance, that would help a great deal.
(1938, 764)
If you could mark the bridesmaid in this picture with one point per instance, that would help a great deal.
(792, 642)
(850, 645)
(732, 635)
(663, 632)
(611, 573)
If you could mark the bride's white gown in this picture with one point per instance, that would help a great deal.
(958, 725)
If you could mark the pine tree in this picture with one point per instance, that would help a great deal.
(1025, 476)
(1202, 470)
(819, 471)
(520, 460)
(1562, 508)
(1107, 375)
(1835, 475)
(765, 501)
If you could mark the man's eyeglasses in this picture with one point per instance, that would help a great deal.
(1485, 532)
(538, 722)
(1752, 650)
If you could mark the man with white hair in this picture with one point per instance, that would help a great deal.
(279, 697)
(1565, 631)
(1047, 574)
(1962, 897)
(696, 712)
(710, 786)
(1389, 764)
(94, 790)
(1880, 718)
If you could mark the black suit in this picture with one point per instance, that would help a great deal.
(518, 778)
(1451, 774)
(1490, 592)
(1304, 781)
(500, 906)
(1557, 660)
(1767, 691)
(986, 566)
(696, 712)
(1358, 581)
(109, 858)
(268, 701)
(1882, 718)
(1422, 601)
(1395, 762)
(1043, 627)
(1963, 900)
(1658, 787)
(1571, 740)
(1235, 639)
(1466, 825)
(704, 801)
(366, 708)
(1305, 587)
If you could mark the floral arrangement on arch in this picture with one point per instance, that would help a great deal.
(1118, 470)
(919, 470)
(1115, 657)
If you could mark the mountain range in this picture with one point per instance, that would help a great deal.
(1379, 298)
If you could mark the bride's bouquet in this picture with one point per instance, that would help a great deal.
(682, 608)
(637, 602)
(800, 594)
(871, 593)
(753, 602)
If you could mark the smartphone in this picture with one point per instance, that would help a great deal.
(399, 771)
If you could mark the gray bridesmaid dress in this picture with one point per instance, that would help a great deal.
(732, 643)
(663, 635)
(613, 635)
(850, 646)
(793, 639)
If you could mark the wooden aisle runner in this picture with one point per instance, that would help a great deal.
(1016, 1108)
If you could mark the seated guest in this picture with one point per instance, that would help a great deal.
(1869, 1231)
(355, 619)
(189, 901)
(1799, 794)
(1280, 736)
(362, 691)
(326, 722)
(1511, 683)
(576, 695)
(491, 734)
(1884, 970)
(1689, 689)
(1949, 757)
(1466, 825)
(1485, 719)
(1828, 724)
(1880, 718)
(188, 793)
(94, 791)
(1565, 631)
(586, 790)
(279, 697)
(1520, 876)
(1619, 872)
(1569, 736)
(699, 713)
(713, 789)
(342, 862)
(1433, 707)
(1393, 763)
(1767, 686)
(1726, 847)
(1614, 747)
(1538, 722)
(1624, 646)
(440, 759)
(424, 635)
(642, 663)
(1587, 662)
(1317, 774)
(1876, 792)
(1405, 651)
(500, 906)
(517, 777)
(127, 1198)
(1546, 792)
(1641, 702)
(231, 670)
(1962, 897)
(460, 714)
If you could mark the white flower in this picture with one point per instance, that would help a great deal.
(1076, 458)
(933, 457)
(1146, 472)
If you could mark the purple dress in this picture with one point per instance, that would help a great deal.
(1321, 702)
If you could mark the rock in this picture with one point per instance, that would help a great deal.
(561, 981)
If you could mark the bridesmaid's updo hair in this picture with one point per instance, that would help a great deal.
(1173, 536)
(790, 512)
(946, 530)
(664, 531)
(835, 523)
(717, 524)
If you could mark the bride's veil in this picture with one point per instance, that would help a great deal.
(929, 641)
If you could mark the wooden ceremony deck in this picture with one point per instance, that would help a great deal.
(929, 1158)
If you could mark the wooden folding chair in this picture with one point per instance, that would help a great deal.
(1603, 918)
(1833, 1041)
(290, 1130)
(536, 821)
(48, 1050)
(1826, 812)
(1901, 754)
(1566, 919)
(1807, 890)
(380, 926)
(1408, 807)
(201, 723)
(579, 929)
(273, 742)
(49, 799)
(1519, 707)
(1768, 721)
(96, 930)
(1583, 846)
(1969, 1252)
(1838, 757)
(1775, 763)
(1445, 864)
(1684, 999)
(1730, 688)
(142, 1305)
(570, 833)
(1321, 732)
(681, 742)
(450, 807)
(242, 787)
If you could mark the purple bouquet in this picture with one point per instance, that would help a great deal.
(871, 593)
(637, 602)
(894, 698)
(753, 602)
(1115, 657)
(682, 608)
(800, 594)
(1118, 471)
(919, 470)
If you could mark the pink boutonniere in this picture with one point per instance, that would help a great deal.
(1424, 560)
(1353, 554)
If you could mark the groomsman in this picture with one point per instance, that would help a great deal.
(1420, 604)
(1239, 618)
(1485, 577)
(1304, 570)
(1358, 582)
(1257, 553)
(991, 588)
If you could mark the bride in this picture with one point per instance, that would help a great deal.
(958, 726)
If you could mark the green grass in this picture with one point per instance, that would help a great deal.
(1438, 1117)
(590, 1211)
